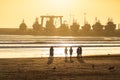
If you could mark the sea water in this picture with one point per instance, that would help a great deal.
(24, 46)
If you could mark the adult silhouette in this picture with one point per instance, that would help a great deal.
(66, 50)
(71, 51)
(51, 58)
(51, 51)
(66, 54)
(79, 52)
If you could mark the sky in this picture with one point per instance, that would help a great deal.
(12, 12)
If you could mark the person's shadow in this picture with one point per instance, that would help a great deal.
(66, 59)
(71, 60)
(80, 60)
(50, 60)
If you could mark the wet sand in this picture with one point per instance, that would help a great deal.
(87, 68)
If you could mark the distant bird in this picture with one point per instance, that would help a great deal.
(54, 68)
(111, 68)
(93, 66)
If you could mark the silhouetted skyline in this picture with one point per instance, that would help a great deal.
(48, 27)
(64, 29)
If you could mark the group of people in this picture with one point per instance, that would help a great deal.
(78, 51)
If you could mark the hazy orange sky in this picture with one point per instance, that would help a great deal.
(12, 12)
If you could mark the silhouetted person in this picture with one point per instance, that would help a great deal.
(71, 51)
(51, 51)
(66, 54)
(66, 50)
(80, 52)
(51, 58)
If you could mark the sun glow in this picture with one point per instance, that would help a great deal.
(61, 4)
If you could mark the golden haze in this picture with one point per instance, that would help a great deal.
(13, 11)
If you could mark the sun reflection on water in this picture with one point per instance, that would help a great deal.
(58, 52)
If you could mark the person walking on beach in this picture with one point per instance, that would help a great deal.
(51, 58)
(51, 51)
(79, 55)
(71, 51)
(80, 52)
(66, 54)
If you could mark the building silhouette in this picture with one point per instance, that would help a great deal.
(86, 27)
(49, 21)
(23, 26)
(74, 28)
(37, 27)
(64, 29)
(97, 27)
(110, 27)
(48, 27)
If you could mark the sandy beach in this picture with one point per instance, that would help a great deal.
(59, 68)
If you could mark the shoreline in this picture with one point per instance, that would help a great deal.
(86, 56)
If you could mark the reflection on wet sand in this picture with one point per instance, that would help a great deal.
(80, 60)
(50, 60)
